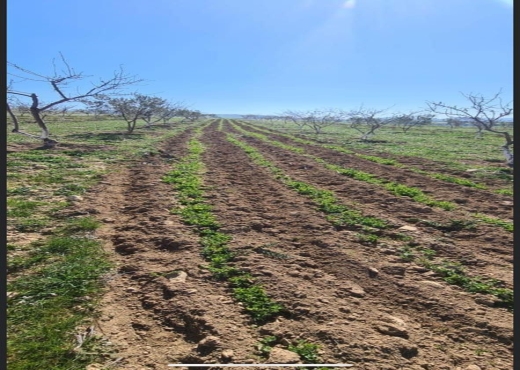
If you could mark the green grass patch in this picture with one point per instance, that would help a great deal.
(455, 274)
(307, 351)
(81, 225)
(266, 344)
(257, 304)
(17, 207)
(46, 308)
(508, 226)
(26, 225)
(56, 280)
(430, 142)
(509, 192)
(71, 189)
(458, 181)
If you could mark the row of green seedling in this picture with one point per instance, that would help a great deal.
(458, 225)
(307, 351)
(390, 162)
(187, 180)
(338, 214)
(327, 204)
(395, 188)
(455, 274)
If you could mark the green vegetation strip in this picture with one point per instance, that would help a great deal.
(338, 214)
(385, 161)
(452, 273)
(508, 226)
(54, 282)
(455, 274)
(186, 179)
(50, 300)
(395, 188)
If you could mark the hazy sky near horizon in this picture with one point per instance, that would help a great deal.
(267, 56)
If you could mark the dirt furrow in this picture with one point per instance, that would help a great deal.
(472, 200)
(329, 282)
(501, 178)
(161, 306)
(471, 247)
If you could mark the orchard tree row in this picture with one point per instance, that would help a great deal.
(483, 113)
(105, 97)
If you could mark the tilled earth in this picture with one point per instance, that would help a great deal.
(362, 304)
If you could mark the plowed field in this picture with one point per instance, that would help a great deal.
(411, 295)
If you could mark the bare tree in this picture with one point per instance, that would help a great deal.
(130, 109)
(483, 113)
(454, 122)
(155, 108)
(59, 82)
(296, 117)
(407, 121)
(19, 108)
(150, 109)
(367, 121)
(319, 119)
(170, 111)
(97, 107)
(188, 115)
(316, 119)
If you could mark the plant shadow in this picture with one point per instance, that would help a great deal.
(107, 136)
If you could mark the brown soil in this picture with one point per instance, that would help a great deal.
(362, 304)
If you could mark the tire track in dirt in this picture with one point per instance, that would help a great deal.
(160, 306)
(486, 250)
(472, 200)
(324, 272)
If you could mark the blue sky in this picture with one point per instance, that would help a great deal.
(267, 56)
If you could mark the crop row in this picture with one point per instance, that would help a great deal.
(186, 179)
(340, 215)
(386, 161)
(393, 187)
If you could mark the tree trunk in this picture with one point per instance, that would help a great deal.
(35, 111)
(13, 117)
(131, 126)
(509, 156)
